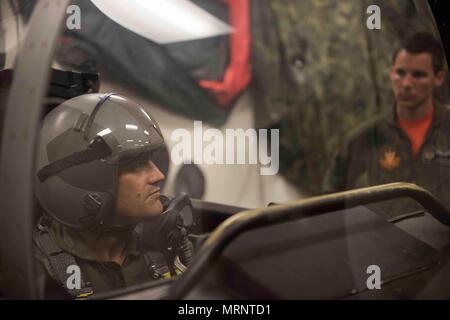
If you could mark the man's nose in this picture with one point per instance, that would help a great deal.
(407, 81)
(155, 175)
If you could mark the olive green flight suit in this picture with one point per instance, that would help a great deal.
(99, 276)
(380, 152)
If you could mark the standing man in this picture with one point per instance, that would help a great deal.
(409, 144)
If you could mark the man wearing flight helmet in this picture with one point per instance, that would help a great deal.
(101, 161)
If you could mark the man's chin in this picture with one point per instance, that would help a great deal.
(155, 210)
(408, 104)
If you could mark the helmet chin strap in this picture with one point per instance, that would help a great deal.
(100, 223)
(101, 228)
(131, 223)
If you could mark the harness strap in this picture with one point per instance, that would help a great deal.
(156, 262)
(60, 261)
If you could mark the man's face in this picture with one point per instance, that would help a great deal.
(413, 79)
(138, 192)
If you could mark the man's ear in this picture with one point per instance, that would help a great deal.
(439, 78)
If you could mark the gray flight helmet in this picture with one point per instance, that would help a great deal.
(82, 143)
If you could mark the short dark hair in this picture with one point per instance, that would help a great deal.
(423, 42)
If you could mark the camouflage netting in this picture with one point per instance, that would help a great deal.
(319, 71)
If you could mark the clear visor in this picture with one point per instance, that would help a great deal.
(128, 130)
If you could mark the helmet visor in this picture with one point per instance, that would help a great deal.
(127, 128)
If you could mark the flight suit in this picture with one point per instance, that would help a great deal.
(57, 247)
(380, 152)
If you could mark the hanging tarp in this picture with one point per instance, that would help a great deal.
(169, 74)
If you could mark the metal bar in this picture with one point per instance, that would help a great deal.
(21, 123)
(253, 219)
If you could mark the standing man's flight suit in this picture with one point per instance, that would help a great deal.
(380, 152)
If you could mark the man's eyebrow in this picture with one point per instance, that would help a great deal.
(412, 71)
